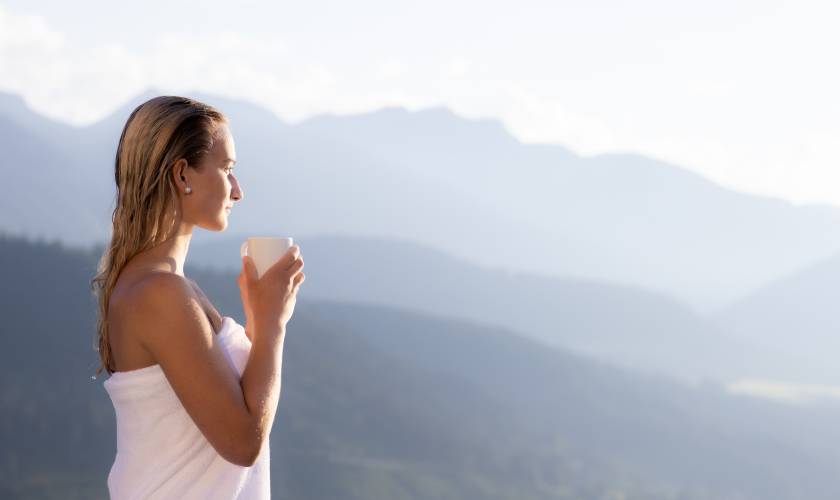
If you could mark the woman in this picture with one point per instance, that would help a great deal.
(194, 392)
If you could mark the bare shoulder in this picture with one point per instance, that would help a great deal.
(128, 316)
(158, 287)
(166, 302)
(154, 283)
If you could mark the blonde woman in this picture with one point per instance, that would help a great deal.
(194, 392)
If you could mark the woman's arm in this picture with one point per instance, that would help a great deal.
(234, 413)
(249, 331)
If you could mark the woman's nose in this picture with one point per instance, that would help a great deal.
(237, 193)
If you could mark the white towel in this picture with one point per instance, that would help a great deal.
(161, 453)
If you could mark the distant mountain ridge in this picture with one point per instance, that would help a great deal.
(797, 315)
(469, 188)
(619, 218)
(625, 326)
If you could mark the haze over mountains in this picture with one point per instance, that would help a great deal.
(798, 315)
(465, 187)
(626, 326)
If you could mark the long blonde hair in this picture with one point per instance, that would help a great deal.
(158, 133)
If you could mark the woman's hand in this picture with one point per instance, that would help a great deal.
(269, 301)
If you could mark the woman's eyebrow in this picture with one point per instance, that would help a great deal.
(230, 160)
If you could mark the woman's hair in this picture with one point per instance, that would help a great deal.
(158, 133)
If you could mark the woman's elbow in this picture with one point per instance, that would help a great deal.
(249, 452)
(242, 452)
(250, 456)
(242, 458)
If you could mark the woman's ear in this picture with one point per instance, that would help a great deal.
(178, 174)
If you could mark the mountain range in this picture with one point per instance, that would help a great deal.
(466, 187)
(625, 326)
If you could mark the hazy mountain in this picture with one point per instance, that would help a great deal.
(307, 185)
(623, 325)
(44, 190)
(14, 109)
(797, 315)
(464, 186)
(380, 402)
(619, 218)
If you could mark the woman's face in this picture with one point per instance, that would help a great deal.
(214, 186)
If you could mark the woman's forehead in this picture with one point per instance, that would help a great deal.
(223, 145)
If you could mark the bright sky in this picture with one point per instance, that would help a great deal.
(742, 92)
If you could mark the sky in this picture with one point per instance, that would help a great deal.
(741, 92)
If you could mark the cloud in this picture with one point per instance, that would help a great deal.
(58, 79)
(80, 85)
(27, 32)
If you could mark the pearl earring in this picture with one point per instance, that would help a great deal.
(188, 190)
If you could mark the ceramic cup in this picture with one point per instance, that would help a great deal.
(265, 251)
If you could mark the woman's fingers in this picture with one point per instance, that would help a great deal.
(296, 266)
(249, 269)
(297, 281)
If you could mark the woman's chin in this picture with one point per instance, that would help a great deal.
(219, 224)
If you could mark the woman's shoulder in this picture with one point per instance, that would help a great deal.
(147, 284)
(129, 319)
(143, 300)
(156, 289)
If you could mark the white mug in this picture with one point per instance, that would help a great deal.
(265, 251)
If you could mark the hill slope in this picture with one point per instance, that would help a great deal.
(385, 403)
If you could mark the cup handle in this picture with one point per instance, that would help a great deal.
(243, 249)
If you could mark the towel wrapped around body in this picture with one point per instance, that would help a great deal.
(161, 453)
